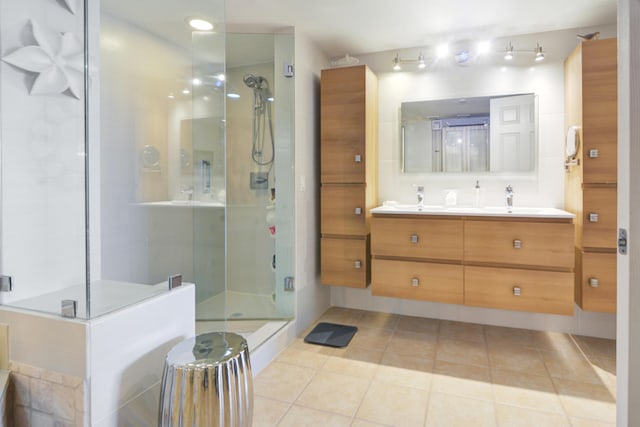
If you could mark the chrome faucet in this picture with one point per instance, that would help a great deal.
(509, 197)
(420, 194)
(188, 190)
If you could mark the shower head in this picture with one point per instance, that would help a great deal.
(254, 82)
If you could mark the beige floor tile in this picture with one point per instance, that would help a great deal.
(413, 344)
(598, 347)
(344, 316)
(407, 371)
(268, 412)
(304, 358)
(307, 417)
(607, 377)
(299, 344)
(462, 380)
(580, 422)
(362, 354)
(577, 369)
(511, 416)
(462, 331)
(418, 325)
(517, 358)
(335, 393)
(371, 338)
(363, 423)
(465, 352)
(454, 411)
(374, 319)
(557, 342)
(352, 368)
(586, 400)
(394, 405)
(526, 391)
(515, 336)
(282, 381)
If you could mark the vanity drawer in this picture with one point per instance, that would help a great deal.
(600, 218)
(345, 262)
(438, 239)
(343, 209)
(548, 245)
(417, 280)
(598, 282)
(516, 289)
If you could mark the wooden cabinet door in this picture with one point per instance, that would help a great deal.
(515, 289)
(423, 238)
(343, 125)
(417, 280)
(600, 111)
(548, 245)
(599, 282)
(344, 262)
(343, 209)
(600, 221)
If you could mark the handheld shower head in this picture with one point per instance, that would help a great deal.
(255, 82)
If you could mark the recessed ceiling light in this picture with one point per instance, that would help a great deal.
(200, 24)
(196, 81)
(484, 47)
(186, 91)
(442, 51)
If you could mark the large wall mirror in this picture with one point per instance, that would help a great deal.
(480, 134)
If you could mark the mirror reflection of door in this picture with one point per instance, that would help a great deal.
(513, 133)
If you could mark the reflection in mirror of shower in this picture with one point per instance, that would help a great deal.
(262, 122)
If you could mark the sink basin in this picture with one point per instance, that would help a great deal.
(525, 212)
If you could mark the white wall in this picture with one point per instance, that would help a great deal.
(312, 297)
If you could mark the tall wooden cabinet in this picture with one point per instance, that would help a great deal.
(348, 173)
(591, 179)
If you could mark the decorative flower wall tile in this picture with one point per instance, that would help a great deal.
(58, 59)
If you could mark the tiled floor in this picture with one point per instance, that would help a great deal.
(407, 371)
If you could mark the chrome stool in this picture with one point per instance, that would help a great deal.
(207, 382)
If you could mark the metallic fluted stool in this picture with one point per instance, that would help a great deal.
(207, 382)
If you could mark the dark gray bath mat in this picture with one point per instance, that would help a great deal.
(331, 334)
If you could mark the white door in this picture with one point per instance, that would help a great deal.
(513, 133)
(628, 328)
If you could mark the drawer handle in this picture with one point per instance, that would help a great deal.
(414, 238)
(594, 282)
(358, 211)
(517, 243)
(358, 158)
(415, 282)
(517, 291)
(593, 217)
(357, 264)
(594, 153)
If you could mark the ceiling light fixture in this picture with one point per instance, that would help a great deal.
(508, 55)
(442, 51)
(539, 52)
(484, 47)
(421, 63)
(200, 24)
(396, 63)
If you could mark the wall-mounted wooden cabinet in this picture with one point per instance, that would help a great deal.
(513, 264)
(591, 103)
(348, 173)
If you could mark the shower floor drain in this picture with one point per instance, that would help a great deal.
(236, 314)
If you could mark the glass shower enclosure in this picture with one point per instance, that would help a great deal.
(152, 160)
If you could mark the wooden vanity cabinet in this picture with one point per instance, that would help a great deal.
(591, 103)
(348, 173)
(494, 262)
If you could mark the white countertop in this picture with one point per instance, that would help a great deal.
(516, 212)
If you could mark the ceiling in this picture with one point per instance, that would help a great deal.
(339, 27)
